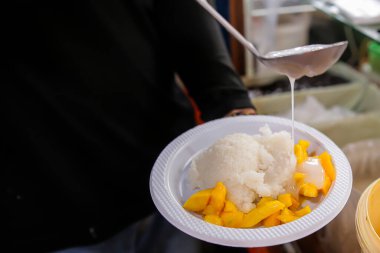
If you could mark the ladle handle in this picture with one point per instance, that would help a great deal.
(228, 27)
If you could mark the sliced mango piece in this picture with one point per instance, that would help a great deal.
(300, 153)
(303, 211)
(304, 144)
(232, 219)
(272, 220)
(327, 165)
(217, 199)
(308, 190)
(285, 198)
(214, 219)
(286, 216)
(229, 207)
(299, 177)
(198, 201)
(264, 200)
(295, 203)
(326, 185)
(210, 210)
(301, 199)
(261, 212)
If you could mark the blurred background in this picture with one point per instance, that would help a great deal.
(343, 103)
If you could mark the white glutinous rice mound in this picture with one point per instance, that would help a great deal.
(250, 166)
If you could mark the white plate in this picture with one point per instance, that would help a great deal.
(169, 186)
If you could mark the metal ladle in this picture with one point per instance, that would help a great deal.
(310, 60)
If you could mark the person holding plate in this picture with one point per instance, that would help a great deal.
(90, 98)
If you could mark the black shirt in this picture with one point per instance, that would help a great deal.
(89, 99)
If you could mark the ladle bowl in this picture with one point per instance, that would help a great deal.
(310, 60)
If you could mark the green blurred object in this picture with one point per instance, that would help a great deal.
(374, 56)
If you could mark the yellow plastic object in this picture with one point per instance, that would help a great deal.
(373, 204)
(309, 190)
(261, 212)
(367, 220)
(327, 165)
(198, 201)
(217, 199)
(214, 219)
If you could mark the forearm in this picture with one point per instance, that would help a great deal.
(202, 60)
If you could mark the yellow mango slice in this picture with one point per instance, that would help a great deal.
(198, 201)
(217, 199)
(327, 165)
(308, 190)
(264, 200)
(300, 152)
(210, 210)
(229, 207)
(301, 199)
(326, 185)
(303, 211)
(213, 219)
(285, 198)
(286, 216)
(232, 219)
(261, 212)
(304, 144)
(299, 177)
(295, 203)
(272, 220)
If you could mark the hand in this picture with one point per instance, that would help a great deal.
(241, 111)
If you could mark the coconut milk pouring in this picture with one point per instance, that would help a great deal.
(306, 65)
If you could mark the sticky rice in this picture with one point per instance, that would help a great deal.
(251, 166)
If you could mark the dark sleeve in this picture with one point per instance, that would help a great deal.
(195, 44)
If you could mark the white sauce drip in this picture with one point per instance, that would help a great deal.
(292, 81)
(296, 67)
(309, 60)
